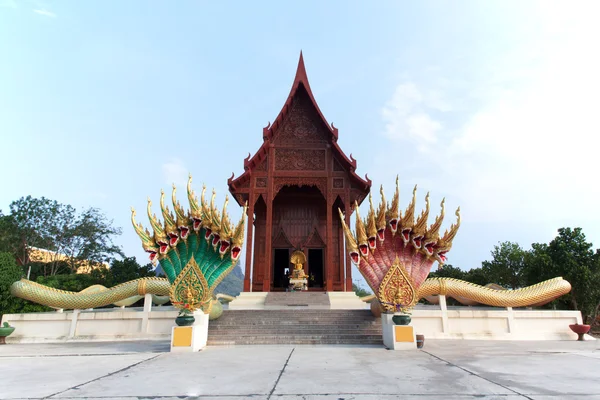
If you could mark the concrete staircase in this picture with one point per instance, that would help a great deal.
(313, 300)
(295, 326)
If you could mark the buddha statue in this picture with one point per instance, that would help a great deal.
(298, 278)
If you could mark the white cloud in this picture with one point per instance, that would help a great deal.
(406, 115)
(523, 155)
(175, 172)
(45, 13)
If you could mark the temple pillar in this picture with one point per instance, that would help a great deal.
(347, 211)
(268, 248)
(329, 250)
(340, 234)
(247, 275)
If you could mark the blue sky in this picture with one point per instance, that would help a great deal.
(492, 105)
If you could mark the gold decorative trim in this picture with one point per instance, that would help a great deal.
(397, 292)
(190, 288)
(141, 287)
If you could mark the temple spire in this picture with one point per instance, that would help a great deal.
(301, 75)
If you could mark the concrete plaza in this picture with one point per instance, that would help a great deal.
(444, 369)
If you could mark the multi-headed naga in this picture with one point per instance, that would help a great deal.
(395, 252)
(196, 249)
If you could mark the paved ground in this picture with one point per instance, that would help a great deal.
(442, 370)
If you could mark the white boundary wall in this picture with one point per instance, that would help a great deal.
(433, 322)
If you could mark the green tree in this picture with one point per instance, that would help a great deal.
(573, 258)
(360, 291)
(477, 276)
(507, 266)
(59, 228)
(448, 271)
(11, 239)
(10, 272)
(127, 269)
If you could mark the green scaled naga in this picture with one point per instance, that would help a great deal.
(196, 249)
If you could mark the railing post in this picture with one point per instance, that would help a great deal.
(146, 315)
(73, 328)
(444, 310)
(511, 319)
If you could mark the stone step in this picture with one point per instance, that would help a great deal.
(337, 318)
(297, 330)
(299, 312)
(295, 327)
(296, 298)
(324, 319)
(298, 337)
(244, 342)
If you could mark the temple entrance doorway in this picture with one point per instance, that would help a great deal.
(315, 267)
(281, 262)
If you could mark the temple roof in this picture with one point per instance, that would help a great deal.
(300, 82)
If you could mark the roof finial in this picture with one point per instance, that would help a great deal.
(301, 73)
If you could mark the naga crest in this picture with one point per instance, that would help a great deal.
(196, 249)
(395, 266)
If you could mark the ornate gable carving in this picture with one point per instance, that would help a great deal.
(281, 240)
(262, 166)
(337, 166)
(319, 183)
(315, 240)
(293, 160)
(302, 123)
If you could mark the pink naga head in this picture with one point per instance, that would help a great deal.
(394, 252)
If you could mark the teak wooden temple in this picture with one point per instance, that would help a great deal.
(294, 185)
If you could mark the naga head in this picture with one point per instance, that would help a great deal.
(148, 244)
(432, 235)
(350, 241)
(420, 228)
(371, 226)
(195, 207)
(444, 244)
(181, 219)
(361, 234)
(225, 231)
(206, 216)
(407, 221)
(170, 225)
(160, 237)
(380, 218)
(393, 213)
(215, 218)
(237, 240)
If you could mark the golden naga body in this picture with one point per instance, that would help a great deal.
(395, 254)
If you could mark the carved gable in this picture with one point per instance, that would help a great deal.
(302, 124)
(315, 240)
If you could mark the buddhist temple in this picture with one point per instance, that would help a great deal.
(293, 185)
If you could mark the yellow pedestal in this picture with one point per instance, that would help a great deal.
(190, 338)
(397, 337)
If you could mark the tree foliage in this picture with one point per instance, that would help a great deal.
(72, 237)
(127, 269)
(359, 290)
(9, 272)
(507, 267)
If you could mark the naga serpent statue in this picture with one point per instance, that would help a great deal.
(395, 253)
(196, 250)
